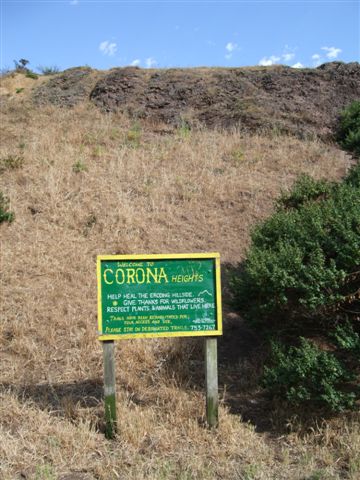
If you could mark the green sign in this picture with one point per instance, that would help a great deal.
(158, 295)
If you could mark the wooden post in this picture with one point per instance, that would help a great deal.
(211, 380)
(109, 388)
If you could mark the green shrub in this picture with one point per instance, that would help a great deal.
(348, 134)
(51, 70)
(346, 338)
(302, 275)
(5, 215)
(31, 74)
(307, 374)
(304, 190)
(302, 261)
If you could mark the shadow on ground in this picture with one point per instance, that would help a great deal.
(240, 356)
(62, 399)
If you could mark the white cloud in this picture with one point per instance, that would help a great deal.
(332, 52)
(150, 62)
(135, 63)
(317, 60)
(108, 48)
(288, 56)
(298, 65)
(230, 46)
(266, 62)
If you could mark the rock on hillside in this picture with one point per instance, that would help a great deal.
(66, 89)
(306, 102)
(303, 101)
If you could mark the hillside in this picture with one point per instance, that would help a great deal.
(113, 174)
(305, 102)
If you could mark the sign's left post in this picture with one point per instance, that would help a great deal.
(109, 388)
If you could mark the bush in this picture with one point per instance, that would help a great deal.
(301, 277)
(31, 74)
(52, 70)
(304, 190)
(306, 374)
(20, 66)
(349, 129)
(346, 338)
(5, 215)
(304, 260)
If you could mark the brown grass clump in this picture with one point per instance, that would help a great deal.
(92, 184)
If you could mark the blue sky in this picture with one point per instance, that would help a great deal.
(104, 34)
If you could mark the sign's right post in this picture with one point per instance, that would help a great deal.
(211, 381)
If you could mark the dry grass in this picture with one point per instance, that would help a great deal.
(92, 184)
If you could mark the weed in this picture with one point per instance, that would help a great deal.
(11, 162)
(96, 151)
(45, 472)
(184, 129)
(89, 138)
(89, 224)
(31, 74)
(318, 475)
(52, 70)
(354, 467)
(5, 214)
(114, 134)
(237, 156)
(133, 136)
(250, 472)
(79, 166)
(19, 90)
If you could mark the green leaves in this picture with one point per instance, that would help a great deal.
(348, 134)
(300, 257)
(307, 374)
(5, 214)
(302, 275)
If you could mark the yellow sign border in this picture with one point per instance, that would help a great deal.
(169, 256)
